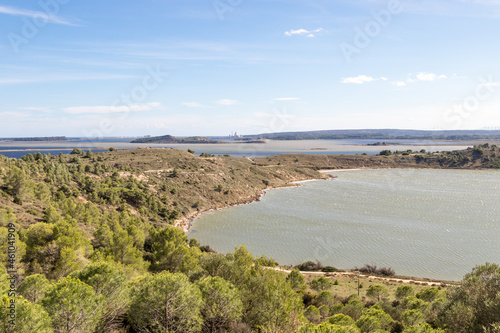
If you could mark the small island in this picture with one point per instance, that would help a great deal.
(173, 139)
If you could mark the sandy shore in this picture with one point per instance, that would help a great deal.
(421, 281)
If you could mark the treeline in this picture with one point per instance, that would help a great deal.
(379, 136)
(160, 281)
(482, 156)
(100, 256)
(50, 138)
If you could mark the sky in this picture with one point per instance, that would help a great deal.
(88, 68)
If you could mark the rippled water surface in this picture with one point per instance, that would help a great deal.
(428, 223)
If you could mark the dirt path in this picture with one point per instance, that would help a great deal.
(389, 279)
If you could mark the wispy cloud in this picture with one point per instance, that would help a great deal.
(45, 77)
(35, 14)
(228, 102)
(36, 108)
(303, 32)
(360, 79)
(430, 77)
(196, 105)
(420, 77)
(111, 109)
(423, 77)
(287, 99)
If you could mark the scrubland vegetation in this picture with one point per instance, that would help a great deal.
(91, 242)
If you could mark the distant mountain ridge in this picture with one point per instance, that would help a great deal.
(49, 138)
(386, 134)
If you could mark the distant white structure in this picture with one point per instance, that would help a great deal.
(235, 135)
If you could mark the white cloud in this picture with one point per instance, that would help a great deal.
(195, 105)
(34, 14)
(37, 108)
(303, 32)
(111, 109)
(287, 99)
(360, 79)
(11, 115)
(228, 102)
(399, 83)
(430, 77)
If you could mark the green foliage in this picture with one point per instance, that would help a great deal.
(110, 282)
(269, 302)
(328, 328)
(384, 319)
(354, 309)
(324, 310)
(422, 328)
(166, 302)
(221, 304)
(310, 266)
(404, 291)
(6, 241)
(28, 317)
(265, 261)
(341, 320)
(321, 283)
(50, 215)
(413, 317)
(76, 151)
(476, 302)
(72, 306)
(325, 298)
(296, 280)
(413, 303)
(329, 269)
(16, 183)
(377, 292)
(312, 314)
(170, 251)
(429, 294)
(34, 287)
(368, 324)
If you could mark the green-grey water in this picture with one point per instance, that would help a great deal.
(428, 223)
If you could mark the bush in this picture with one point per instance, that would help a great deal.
(373, 269)
(329, 269)
(310, 266)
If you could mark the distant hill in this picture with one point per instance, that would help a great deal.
(383, 134)
(173, 139)
(50, 138)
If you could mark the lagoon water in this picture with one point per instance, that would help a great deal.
(426, 223)
(19, 149)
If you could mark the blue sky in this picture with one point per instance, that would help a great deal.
(211, 67)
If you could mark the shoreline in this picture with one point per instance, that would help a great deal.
(186, 223)
(395, 278)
